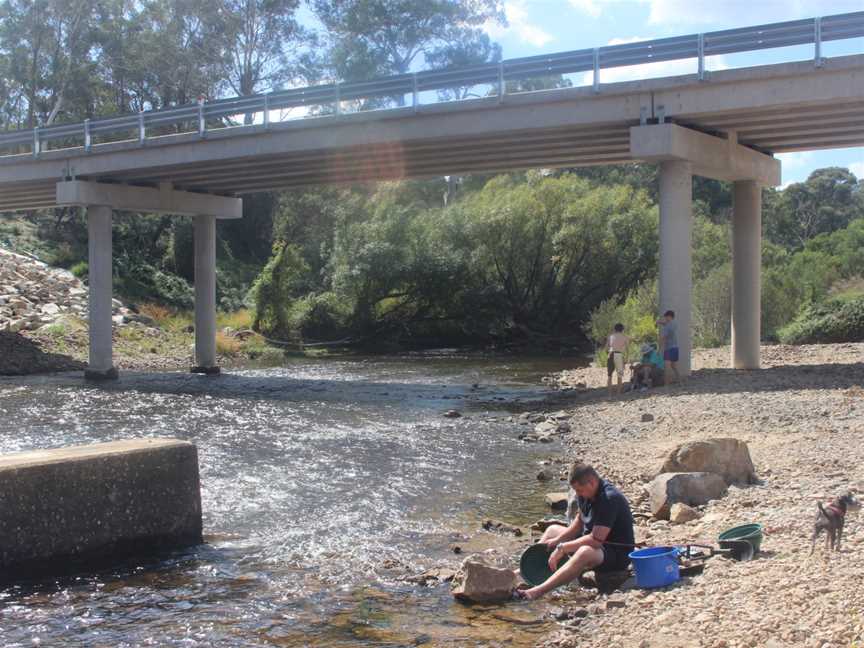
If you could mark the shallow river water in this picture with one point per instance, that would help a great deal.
(313, 474)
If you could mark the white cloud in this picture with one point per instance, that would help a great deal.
(519, 25)
(858, 169)
(718, 13)
(741, 12)
(795, 161)
(591, 7)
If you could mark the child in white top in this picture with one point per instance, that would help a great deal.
(616, 345)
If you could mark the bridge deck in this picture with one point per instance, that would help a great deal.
(773, 108)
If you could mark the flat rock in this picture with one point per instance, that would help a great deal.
(477, 582)
(680, 513)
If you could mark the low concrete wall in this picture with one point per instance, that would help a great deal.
(65, 508)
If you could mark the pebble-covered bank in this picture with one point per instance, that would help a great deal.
(802, 417)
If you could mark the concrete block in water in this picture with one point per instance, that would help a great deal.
(96, 503)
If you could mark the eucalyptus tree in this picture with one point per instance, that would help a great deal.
(47, 47)
(369, 38)
(263, 45)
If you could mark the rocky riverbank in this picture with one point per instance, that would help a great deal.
(43, 327)
(803, 418)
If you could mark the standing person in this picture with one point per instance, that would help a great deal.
(616, 345)
(600, 537)
(669, 344)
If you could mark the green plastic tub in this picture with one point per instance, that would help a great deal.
(752, 533)
(534, 564)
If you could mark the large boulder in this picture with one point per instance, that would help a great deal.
(693, 489)
(729, 458)
(477, 582)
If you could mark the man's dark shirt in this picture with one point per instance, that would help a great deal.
(609, 509)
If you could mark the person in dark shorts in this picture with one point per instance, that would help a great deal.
(669, 345)
(599, 537)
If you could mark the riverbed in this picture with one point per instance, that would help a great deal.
(324, 483)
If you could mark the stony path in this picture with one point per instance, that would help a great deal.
(803, 418)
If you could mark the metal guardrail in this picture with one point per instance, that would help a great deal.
(813, 31)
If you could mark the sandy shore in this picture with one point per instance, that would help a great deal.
(803, 418)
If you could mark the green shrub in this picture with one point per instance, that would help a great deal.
(836, 320)
(636, 313)
(80, 269)
(275, 289)
(320, 317)
(712, 308)
(173, 290)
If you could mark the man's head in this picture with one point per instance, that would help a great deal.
(619, 328)
(669, 315)
(584, 480)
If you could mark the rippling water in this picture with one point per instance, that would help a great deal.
(312, 475)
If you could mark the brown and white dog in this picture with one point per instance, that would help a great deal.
(831, 518)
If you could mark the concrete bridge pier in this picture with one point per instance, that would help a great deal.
(676, 224)
(101, 199)
(746, 273)
(681, 153)
(205, 295)
(101, 365)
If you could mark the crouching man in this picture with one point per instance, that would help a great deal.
(599, 537)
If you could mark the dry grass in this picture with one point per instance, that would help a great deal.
(238, 320)
(156, 311)
(227, 345)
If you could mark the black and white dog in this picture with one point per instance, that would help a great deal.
(831, 518)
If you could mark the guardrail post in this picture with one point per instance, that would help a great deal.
(415, 94)
(266, 118)
(502, 87)
(701, 50)
(142, 133)
(87, 141)
(37, 145)
(596, 69)
(338, 102)
(817, 42)
(202, 124)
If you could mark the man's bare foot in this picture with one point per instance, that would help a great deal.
(527, 594)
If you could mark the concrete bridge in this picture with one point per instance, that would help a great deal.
(724, 124)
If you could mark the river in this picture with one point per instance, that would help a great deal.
(317, 477)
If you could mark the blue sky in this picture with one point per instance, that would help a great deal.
(542, 26)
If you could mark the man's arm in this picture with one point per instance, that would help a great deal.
(594, 540)
(573, 531)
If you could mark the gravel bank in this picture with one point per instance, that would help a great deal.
(803, 418)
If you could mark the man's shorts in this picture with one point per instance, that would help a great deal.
(615, 363)
(614, 559)
(671, 354)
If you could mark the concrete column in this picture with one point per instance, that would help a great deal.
(676, 205)
(746, 274)
(205, 295)
(101, 364)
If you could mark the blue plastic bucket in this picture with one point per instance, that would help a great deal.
(655, 566)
